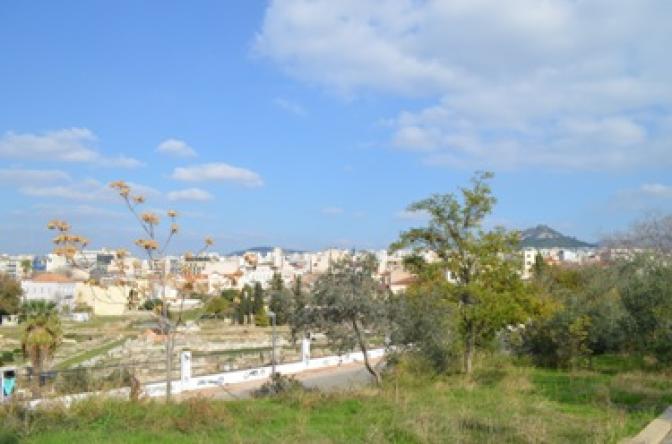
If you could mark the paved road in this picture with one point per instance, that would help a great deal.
(329, 379)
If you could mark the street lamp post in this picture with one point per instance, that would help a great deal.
(272, 315)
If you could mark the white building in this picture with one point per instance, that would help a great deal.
(51, 287)
(13, 266)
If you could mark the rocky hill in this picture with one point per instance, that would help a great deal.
(543, 236)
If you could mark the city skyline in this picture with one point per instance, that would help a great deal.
(276, 123)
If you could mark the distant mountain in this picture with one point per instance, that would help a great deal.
(262, 250)
(543, 236)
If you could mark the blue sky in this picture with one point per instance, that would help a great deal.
(309, 124)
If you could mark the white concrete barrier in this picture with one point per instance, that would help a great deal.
(188, 383)
(258, 373)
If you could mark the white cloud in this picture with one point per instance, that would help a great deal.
(19, 176)
(143, 190)
(559, 83)
(88, 190)
(290, 106)
(646, 198)
(65, 145)
(196, 194)
(332, 211)
(51, 210)
(120, 161)
(657, 190)
(218, 171)
(175, 147)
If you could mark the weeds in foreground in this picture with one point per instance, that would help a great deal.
(506, 403)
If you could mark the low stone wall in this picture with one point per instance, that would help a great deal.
(189, 383)
(259, 373)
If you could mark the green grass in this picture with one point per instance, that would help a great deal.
(89, 354)
(502, 403)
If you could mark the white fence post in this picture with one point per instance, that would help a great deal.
(185, 368)
(305, 351)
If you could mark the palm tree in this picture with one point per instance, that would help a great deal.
(41, 336)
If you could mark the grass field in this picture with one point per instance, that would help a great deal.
(504, 403)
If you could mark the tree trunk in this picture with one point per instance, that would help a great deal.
(169, 342)
(169, 365)
(364, 349)
(469, 345)
(179, 317)
(37, 374)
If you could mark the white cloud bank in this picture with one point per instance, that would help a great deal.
(657, 190)
(195, 194)
(87, 190)
(65, 145)
(19, 176)
(176, 147)
(218, 171)
(523, 83)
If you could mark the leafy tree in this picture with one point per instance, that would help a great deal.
(258, 298)
(540, 266)
(280, 301)
(218, 306)
(261, 318)
(230, 295)
(297, 290)
(244, 308)
(647, 298)
(487, 292)
(347, 303)
(10, 295)
(423, 322)
(559, 341)
(26, 266)
(41, 336)
(281, 305)
(300, 300)
(587, 318)
(277, 282)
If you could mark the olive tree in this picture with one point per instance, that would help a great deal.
(347, 304)
(10, 295)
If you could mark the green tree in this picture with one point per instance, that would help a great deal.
(647, 298)
(261, 318)
(300, 300)
(423, 321)
(218, 306)
(280, 300)
(347, 302)
(230, 295)
(277, 282)
(26, 266)
(540, 266)
(586, 316)
(298, 294)
(257, 299)
(244, 308)
(10, 295)
(487, 291)
(42, 334)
